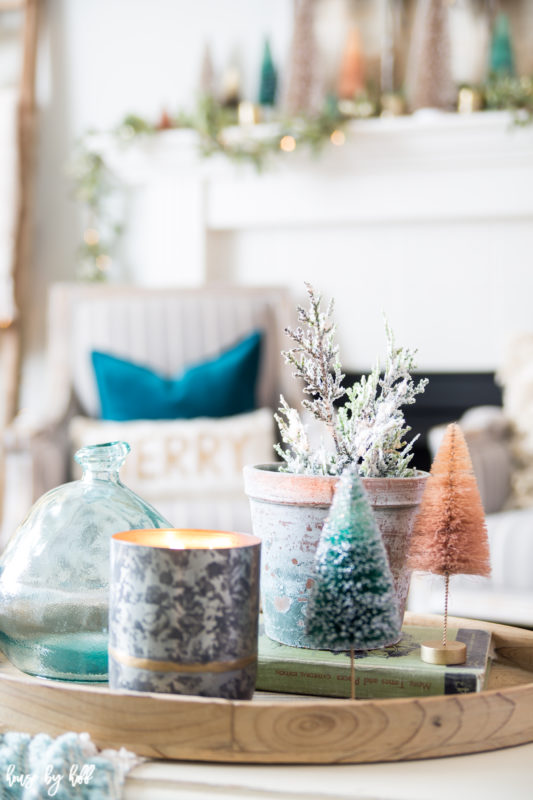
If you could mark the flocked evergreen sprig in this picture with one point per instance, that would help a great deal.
(369, 428)
(316, 362)
(371, 424)
(299, 456)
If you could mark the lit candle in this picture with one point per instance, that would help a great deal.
(183, 612)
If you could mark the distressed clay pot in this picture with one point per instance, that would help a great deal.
(288, 513)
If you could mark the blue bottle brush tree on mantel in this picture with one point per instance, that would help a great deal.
(54, 574)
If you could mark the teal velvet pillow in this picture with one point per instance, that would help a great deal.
(220, 387)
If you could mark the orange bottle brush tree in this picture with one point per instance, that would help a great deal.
(450, 535)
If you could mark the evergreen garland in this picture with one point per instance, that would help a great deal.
(94, 183)
(95, 186)
(511, 94)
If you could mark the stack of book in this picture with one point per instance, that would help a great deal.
(395, 671)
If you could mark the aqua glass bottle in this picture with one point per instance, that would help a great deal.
(54, 573)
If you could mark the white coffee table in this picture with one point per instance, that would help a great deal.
(498, 775)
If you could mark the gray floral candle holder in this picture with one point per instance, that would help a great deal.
(183, 612)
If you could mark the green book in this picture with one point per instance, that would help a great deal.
(395, 671)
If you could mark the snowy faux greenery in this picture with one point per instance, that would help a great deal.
(352, 603)
(316, 362)
(369, 427)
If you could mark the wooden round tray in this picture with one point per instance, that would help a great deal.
(271, 729)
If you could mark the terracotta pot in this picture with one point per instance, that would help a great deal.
(288, 513)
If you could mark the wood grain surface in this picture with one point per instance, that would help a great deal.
(290, 730)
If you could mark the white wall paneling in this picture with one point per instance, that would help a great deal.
(426, 218)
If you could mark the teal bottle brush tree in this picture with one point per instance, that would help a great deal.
(501, 59)
(269, 78)
(353, 603)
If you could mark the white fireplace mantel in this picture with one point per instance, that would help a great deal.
(427, 197)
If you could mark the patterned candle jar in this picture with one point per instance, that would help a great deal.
(183, 612)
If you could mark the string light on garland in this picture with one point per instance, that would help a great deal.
(287, 143)
(91, 237)
(96, 188)
(338, 138)
(103, 262)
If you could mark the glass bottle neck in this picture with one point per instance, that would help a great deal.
(101, 462)
(93, 473)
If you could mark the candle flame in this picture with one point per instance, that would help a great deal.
(177, 539)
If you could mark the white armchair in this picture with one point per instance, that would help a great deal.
(189, 469)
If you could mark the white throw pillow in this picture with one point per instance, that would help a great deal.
(184, 458)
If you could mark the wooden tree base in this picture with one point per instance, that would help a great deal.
(434, 652)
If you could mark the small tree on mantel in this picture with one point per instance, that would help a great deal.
(450, 535)
(303, 84)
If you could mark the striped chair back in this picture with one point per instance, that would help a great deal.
(164, 329)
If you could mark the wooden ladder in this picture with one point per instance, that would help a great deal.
(10, 334)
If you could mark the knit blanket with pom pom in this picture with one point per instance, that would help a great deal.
(67, 768)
